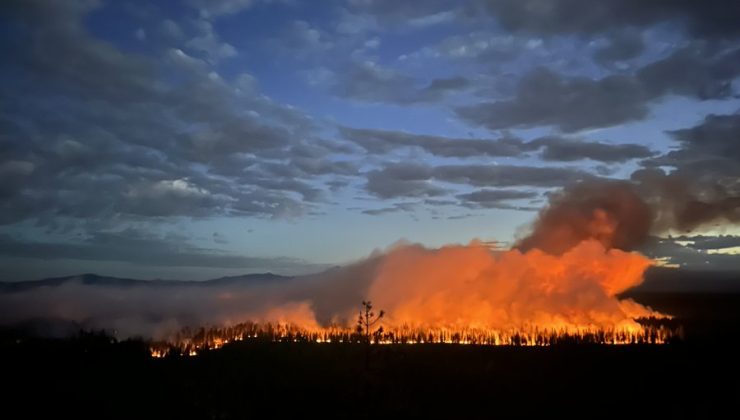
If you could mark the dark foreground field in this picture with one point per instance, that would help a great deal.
(90, 377)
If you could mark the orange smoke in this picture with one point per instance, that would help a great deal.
(470, 294)
(612, 213)
(461, 294)
(457, 287)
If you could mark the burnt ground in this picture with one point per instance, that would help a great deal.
(91, 377)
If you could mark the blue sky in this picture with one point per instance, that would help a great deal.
(194, 139)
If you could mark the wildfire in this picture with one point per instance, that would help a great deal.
(557, 285)
(461, 287)
(471, 294)
(189, 343)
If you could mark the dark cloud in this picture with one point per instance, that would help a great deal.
(441, 86)
(487, 48)
(439, 202)
(90, 131)
(704, 186)
(623, 45)
(301, 39)
(709, 18)
(397, 14)
(703, 242)
(206, 43)
(368, 81)
(261, 202)
(220, 238)
(544, 98)
(704, 69)
(384, 141)
(674, 250)
(322, 166)
(400, 180)
(414, 180)
(567, 150)
(138, 247)
(554, 148)
(381, 211)
(509, 175)
(488, 198)
(395, 208)
(697, 71)
(716, 136)
(96, 134)
(684, 202)
(217, 8)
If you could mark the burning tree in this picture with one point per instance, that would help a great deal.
(367, 320)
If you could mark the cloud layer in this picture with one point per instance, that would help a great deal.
(123, 123)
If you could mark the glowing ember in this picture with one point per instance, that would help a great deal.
(208, 339)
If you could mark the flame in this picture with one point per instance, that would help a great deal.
(472, 294)
(214, 338)
(470, 286)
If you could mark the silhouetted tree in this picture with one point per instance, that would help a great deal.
(365, 322)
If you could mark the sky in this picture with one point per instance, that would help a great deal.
(195, 139)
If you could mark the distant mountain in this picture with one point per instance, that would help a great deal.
(657, 279)
(90, 279)
(248, 278)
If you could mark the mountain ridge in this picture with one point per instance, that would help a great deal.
(92, 279)
(657, 279)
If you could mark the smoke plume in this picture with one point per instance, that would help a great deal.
(612, 213)
(622, 214)
(682, 204)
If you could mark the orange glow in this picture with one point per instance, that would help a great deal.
(471, 294)
(209, 339)
(459, 287)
